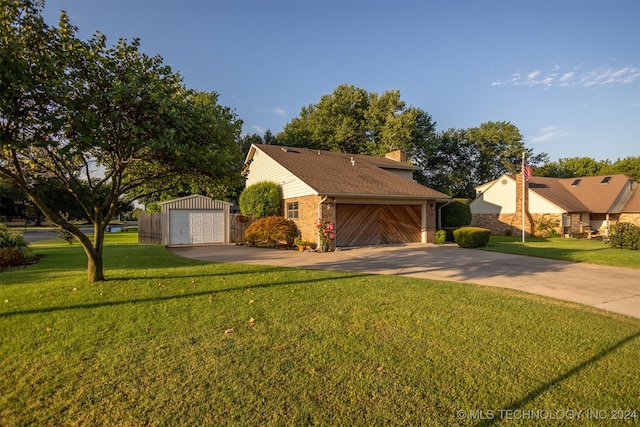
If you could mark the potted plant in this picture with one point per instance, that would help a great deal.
(301, 244)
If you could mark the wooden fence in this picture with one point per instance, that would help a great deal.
(149, 228)
(238, 226)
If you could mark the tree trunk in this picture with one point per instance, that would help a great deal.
(95, 272)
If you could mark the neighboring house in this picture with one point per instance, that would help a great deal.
(580, 206)
(371, 200)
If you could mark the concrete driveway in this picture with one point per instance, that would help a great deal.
(607, 288)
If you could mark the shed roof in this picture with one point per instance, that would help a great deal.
(195, 201)
(342, 174)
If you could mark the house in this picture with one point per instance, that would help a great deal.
(371, 200)
(579, 206)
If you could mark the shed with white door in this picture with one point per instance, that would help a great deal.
(195, 220)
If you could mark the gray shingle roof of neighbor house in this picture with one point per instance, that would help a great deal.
(598, 194)
(341, 174)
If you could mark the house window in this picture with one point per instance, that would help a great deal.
(605, 180)
(292, 210)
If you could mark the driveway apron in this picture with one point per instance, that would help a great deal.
(608, 288)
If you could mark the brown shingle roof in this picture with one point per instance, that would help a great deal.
(633, 204)
(584, 194)
(554, 191)
(334, 174)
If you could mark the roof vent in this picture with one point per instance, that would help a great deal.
(576, 182)
(605, 180)
(288, 150)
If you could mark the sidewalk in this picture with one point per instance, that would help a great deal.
(607, 288)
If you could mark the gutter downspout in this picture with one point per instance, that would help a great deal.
(440, 213)
(320, 217)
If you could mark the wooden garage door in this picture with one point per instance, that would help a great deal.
(358, 225)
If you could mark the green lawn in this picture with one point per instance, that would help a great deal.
(578, 250)
(171, 341)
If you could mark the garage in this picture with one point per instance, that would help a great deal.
(359, 225)
(195, 220)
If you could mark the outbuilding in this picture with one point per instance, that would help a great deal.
(195, 220)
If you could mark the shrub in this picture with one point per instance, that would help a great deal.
(441, 237)
(507, 232)
(547, 227)
(271, 231)
(10, 257)
(456, 214)
(625, 235)
(260, 200)
(471, 237)
(14, 250)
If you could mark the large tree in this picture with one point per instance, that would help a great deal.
(352, 120)
(91, 116)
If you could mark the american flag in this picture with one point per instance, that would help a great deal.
(526, 170)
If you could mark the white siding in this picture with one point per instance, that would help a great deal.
(496, 199)
(264, 168)
(540, 205)
(402, 173)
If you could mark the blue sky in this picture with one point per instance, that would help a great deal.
(566, 73)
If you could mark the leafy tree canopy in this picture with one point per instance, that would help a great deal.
(89, 116)
(352, 120)
(572, 167)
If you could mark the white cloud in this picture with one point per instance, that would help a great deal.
(604, 76)
(277, 111)
(566, 77)
(548, 133)
(259, 129)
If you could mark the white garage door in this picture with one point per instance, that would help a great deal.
(199, 226)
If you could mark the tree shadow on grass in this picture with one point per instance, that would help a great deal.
(176, 297)
(534, 394)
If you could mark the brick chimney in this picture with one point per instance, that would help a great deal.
(398, 156)
(516, 221)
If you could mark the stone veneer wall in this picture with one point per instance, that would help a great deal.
(499, 223)
(516, 220)
(496, 223)
(633, 218)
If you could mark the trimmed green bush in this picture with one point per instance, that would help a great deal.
(441, 237)
(471, 237)
(625, 235)
(260, 200)
(271, 231)
(456, 214)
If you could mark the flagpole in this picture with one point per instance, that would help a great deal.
(523, 190)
